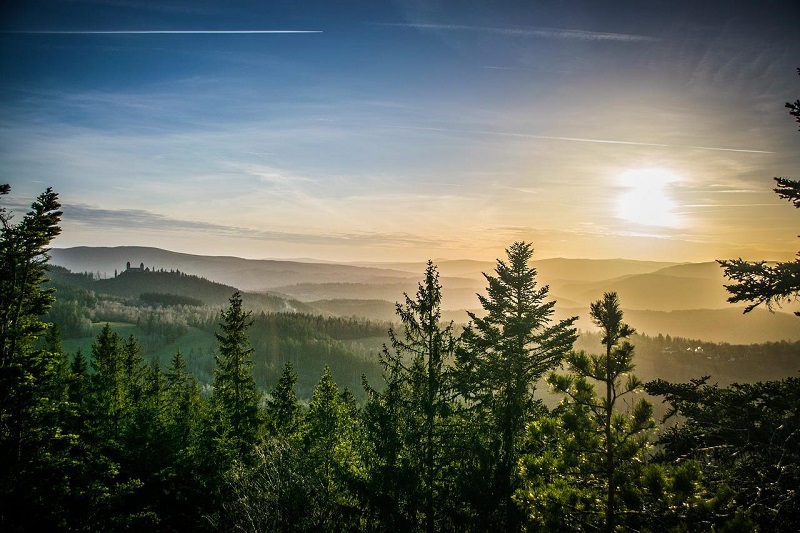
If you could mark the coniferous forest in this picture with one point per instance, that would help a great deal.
(451, 435)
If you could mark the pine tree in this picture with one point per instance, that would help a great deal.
(183, 409)
(283, 409)
(503, 357)
(235, 399)
(417, 408)
(28, 375)
(183, 399)
(390, 478)
(113, 474)
(761, 283)
(607, 441)
(743, 440)
(109, 387)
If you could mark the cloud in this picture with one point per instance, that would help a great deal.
(586, 140)
(276, 177)
(546, 33)
(140, 219)
(157, 32)
(163, 6)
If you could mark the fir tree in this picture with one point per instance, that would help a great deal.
(235, 399)
(283, 409)
(759, 282)
(502, 358)
(420, 396)
(28, 374)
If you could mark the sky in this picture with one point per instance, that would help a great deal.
(406, 130)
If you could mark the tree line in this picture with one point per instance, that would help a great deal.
(453, 436)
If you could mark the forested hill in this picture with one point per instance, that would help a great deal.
(246, 274)
(155, 285)
(170, 311)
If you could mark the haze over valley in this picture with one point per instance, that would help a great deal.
(680, 299)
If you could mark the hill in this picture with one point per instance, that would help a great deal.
(133, 284)
(167, 311)
(712, 325)
(652, 291)
(453, 296)
(685, 299)
(551, 270)
(246, 274)
(548, 269)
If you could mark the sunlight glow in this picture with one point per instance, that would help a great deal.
(647, 200)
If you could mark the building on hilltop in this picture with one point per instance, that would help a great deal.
(140, 268)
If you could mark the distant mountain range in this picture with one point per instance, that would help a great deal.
(245, 274)
(679, 299)
(134, 284)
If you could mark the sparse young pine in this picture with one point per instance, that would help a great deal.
(601, 443)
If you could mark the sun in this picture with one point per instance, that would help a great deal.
(647, 200)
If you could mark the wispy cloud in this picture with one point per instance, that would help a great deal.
(270, 175)
(162, 6)
(139, 219)
(726, 206)
(546, 33)
(156, 32)
(584, 139)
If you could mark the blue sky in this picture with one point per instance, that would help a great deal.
(406, 129)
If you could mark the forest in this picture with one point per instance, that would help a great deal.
(449, 432)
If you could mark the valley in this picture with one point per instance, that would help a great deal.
(339, 315)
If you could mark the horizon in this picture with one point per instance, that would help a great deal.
(400, 131)
(435, 260)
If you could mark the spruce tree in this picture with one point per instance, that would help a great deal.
(329, 445)
(24, 369)
(283, 409)
(235, 398)
(759, 282)
(183, 411)
(502, 358)
(109, 387)
(417, 410)
(30, 372)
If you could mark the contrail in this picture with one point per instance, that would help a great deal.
(548, 33)
(158, 32)
(584, 140)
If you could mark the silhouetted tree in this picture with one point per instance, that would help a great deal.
(411, 421)
(502, 358)
(29, 374)
(283, 410)
(759, 282)
(746, 441)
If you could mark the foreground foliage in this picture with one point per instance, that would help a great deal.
(745, 440)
